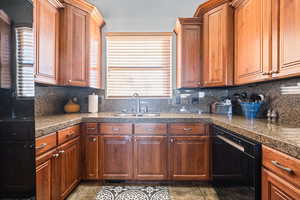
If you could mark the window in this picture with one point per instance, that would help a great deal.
(139, 63)
(25, 62)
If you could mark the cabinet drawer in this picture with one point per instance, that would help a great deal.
(150, 128)
(116, 128)
(45, 143)
(281, 164)
(91, 128)
(68, 134)
(187, 128)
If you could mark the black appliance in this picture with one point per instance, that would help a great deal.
(236, 166)
(17, 127)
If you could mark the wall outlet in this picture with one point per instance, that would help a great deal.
(201, 94)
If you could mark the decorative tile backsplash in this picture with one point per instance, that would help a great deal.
(51, 100)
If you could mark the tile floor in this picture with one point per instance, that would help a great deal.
(88, 191)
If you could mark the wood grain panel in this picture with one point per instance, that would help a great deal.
(187, 128)
(253, 41)
(92, 157)
(47, 41)
(218, 47)
(117, 157)
(116, 128)
(43, 181)
(274, 160)
(189, 158)
(188, 32)
(276, 188)
(45, 143)
(150, 128)
(150, 158)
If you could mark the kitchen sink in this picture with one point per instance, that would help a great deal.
(137, 114)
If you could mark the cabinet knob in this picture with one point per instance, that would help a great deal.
(172, 140)
(94, 139)
(56, 155)
(69, 81)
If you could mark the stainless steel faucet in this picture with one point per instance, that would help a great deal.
(138, 102)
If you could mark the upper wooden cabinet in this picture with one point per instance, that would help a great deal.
(46, 18)
(188, 32)
(286, 38)
(5, 53)
(80, 44)
(252, 40)
(74, 46)
(218, 44)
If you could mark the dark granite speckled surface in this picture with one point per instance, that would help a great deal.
(281, 137)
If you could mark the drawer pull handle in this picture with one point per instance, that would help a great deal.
(149, 129)
(62, 152)
(116, 129)
(91, 129)
(42, 146)
(70, 135)
(187, 129)
(277, 164)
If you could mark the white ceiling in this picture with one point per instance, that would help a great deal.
(144, 15)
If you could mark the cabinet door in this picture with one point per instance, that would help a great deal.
(95, 55)
(287, 28)
(5, 51)
(150, 157)
(43, 181)
(74, 47)
(92, 157)
(275, 188)
(189, 158)
(218, 47)
(253, 41)
(69, 166)
(46, 34)
(188, 53)
(117, 157)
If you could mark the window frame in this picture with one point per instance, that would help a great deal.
(170, 34)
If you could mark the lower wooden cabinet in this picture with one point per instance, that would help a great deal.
(276, 188)
(58, 171)
(189, 158)
(150, 157)
(44, 180)
(92, 157)
(69, 166)
(117, 157)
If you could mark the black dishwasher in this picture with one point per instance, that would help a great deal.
(236, 166)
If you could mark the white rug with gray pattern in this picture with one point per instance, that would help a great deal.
(133, 193)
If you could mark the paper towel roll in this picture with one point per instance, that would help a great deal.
(93, 103)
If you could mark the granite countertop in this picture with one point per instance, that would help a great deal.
(278, 136)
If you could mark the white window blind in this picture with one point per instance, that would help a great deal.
(25, 62)
(139, 64)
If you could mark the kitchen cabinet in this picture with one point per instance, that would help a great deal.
(150, 157)
(74, 46)
(286, 38)
(5, 50)
(253, 42)
(69, 166)
(80, 44)
(274, 187)
(117, 157)
(189, 158)
(46, 25)
(280, 176)
(44, 175)
(92, 157)
(188, 32)
(218, 47)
